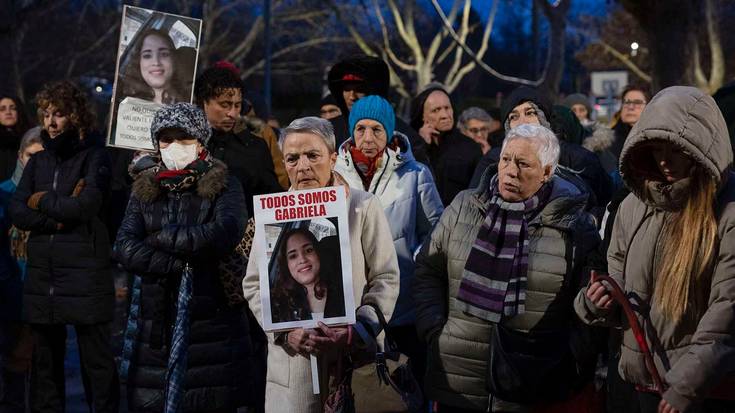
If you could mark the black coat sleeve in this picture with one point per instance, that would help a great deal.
(489, 160)
(86, 206)
(24, 217)
(131, 250)
(219, 236)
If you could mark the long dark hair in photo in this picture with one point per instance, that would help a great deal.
(133, 83)
(288, 297)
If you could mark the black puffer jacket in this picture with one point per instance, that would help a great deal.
(68, 273)
(160, 232)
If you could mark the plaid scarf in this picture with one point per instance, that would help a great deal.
(177, 357)
(181, 180)
(494, 278)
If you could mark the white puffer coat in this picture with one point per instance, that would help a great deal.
(412, 205)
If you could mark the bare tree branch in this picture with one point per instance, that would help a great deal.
(624, 59)
(478, 61)
(293, 47)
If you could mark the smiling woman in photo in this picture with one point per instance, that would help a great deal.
(152, 72)
(305, 287)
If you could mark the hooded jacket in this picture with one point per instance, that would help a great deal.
(694, 354)
(411, 203)
(453, 159)
(560, 236)
(376, 81)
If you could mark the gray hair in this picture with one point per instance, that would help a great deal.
(32, 136)
(546, 142)
(314, 125)
(474, 113)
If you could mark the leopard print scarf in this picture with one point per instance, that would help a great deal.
(181, 180)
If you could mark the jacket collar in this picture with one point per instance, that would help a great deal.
(561, 211)
(147, 189)
(392, 159)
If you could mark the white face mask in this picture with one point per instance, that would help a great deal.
(177, 156)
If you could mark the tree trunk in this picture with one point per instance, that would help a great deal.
(669, 25)
(557, 16)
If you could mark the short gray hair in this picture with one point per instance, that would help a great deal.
(474, 113)
(314, 125)
(545, 139)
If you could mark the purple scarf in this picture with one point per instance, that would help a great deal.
(494, 278)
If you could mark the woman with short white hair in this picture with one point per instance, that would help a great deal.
(310, 157)
(496, 281)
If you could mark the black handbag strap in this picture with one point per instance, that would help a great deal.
(389, 344)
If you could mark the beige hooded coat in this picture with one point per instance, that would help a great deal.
(694, 354)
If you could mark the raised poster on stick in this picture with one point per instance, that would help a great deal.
(305, 266)
(156, 65)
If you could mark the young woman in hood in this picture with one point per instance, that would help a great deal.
(672, 250)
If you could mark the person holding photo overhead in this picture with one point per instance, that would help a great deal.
(153, 70)
(310, 156)
(305, 288)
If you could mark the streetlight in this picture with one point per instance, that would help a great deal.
(634, 48)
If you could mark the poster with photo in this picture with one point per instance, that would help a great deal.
(305, 264)
(156, 65)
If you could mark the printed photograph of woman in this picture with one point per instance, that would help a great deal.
(308, 284)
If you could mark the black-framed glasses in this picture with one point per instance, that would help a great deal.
(636, 103)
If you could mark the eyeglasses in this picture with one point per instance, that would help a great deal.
(476, 131)
(634, 103)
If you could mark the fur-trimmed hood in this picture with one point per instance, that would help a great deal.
(147, 189)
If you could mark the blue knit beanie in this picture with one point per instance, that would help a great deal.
(183, 116)
(376, 108)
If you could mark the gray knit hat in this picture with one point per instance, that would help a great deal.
(578, 99)
(183, 116)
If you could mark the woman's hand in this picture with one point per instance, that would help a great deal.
(599, 295)
(302, 341)
(427, 132)
(332, 337)
(665, 407)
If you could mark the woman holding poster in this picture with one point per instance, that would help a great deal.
(309, 154)
(183, 218)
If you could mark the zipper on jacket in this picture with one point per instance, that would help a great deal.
(385, 166)
(51, 248)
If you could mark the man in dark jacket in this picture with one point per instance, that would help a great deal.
(219, 92)
(359, 76)
(59, 200)
(453, 156)
(578, 165)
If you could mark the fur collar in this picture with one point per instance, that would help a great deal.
(601, 139)
(147, 189)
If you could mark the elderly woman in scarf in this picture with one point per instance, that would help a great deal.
(505, 260)
(379, 160)
(191, 349)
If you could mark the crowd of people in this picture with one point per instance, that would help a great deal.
(476, 240)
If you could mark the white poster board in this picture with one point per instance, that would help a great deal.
(609, 82)
(305, 265)
(156, 65)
